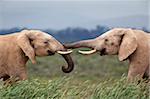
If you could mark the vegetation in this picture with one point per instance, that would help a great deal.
(69, 88)
(94, 77)
(89, 67)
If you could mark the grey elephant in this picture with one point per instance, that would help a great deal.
(127, 43)
(17, 48)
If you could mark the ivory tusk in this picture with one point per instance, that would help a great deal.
(87, 52)
(64, 52)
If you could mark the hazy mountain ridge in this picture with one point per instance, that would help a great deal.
(69, 34)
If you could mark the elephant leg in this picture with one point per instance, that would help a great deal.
(20, 74)
(136, 72)
(23, 75)
(13, 79)
(146, 74)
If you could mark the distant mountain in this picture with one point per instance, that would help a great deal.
(68, 34)
(75, 34)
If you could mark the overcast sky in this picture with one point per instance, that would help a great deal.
(59, 14)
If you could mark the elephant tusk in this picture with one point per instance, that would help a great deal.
(87, 52)
(64, 52)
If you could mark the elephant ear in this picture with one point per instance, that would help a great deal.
(128, 44)
(23, 41)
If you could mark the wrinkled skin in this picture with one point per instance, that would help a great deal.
(17, 48)
(127, 44)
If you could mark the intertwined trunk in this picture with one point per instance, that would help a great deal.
(70, 67)
(84, 43)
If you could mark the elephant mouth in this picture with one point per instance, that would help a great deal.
(103, 52)
(50, 53)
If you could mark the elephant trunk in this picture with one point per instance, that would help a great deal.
(84, 43)
(65, 53)
(70, 63)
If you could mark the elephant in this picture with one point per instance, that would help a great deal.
(17, 48)
(127, 43)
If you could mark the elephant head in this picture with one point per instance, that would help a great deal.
(37, 43)
(116, 41)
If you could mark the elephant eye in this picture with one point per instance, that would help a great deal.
(46, 42)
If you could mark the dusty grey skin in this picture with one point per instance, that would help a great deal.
(127, 44)
(18, 48)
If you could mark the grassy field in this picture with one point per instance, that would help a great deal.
(70, 88)
(94, 77)
(91, 67)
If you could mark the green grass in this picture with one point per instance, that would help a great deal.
(71, 88)
(89, 67)
(94, 77)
